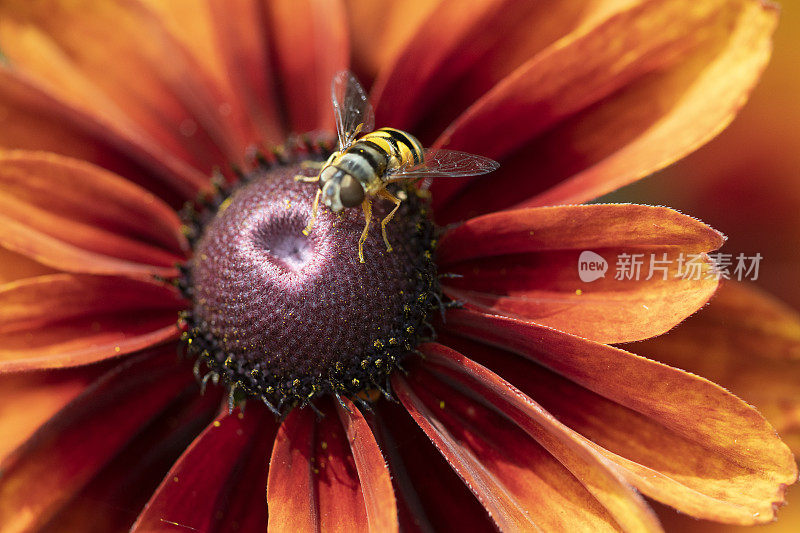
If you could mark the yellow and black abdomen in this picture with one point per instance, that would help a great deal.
(403, 148)
(369, 158)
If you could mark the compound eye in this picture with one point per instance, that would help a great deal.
(351, 193)
(326, 175)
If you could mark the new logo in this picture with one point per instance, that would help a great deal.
(591, 266)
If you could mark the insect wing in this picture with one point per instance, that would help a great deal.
(441, 162)
(352, 108)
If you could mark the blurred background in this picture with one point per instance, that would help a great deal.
(746, 183)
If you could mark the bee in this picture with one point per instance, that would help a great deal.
(366, 161)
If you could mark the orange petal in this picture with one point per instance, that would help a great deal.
(574, 143)
(438, 70)
(32, 119)
(120, 490)
(526, 477)
(310, 44)
(535, 275)
(593, 471)
(14, 266)
(372, 472)
(240, 31)
(226, 39)
(430, 496)
(97, 212)
(28, 400)
(64, 256)
(64, 454)
(73, 50)
(576, 227)
(427, 66)
(379, 31)
(67, 320)
(676, 437)
(749, 343)
(788, 522)
(316, 482)
(233, 452)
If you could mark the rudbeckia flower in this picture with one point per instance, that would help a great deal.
(465, 380)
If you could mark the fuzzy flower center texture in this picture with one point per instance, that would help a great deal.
(287, 317)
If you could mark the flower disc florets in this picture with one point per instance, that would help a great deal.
(285, 316)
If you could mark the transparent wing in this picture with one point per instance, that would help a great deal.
(352, 108)
(441, 162)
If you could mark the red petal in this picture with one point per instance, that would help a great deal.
(205, 484)
(583, 140)
(64, 454)
(168, 103)
(35, 120)
(749, 343)
(310, 46)
(315, 482)
(67, 320)
(64, 256)
(576, 227)
(655, 422)
(518, 482)
(382, 30)
(28, 400)
(291, 492)
(98, 213)
(426, 67)
(437, 70)
(430, 496)
(14, 266)
(535, 274)
(372, 472)
(241, 40)
(597, 474)
(111, 501)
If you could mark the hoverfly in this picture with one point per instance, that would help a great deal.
(362, 167)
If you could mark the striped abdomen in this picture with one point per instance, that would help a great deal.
(372, 155)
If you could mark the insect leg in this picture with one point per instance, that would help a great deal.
(383, 193)
(366, 206)
(316, 166)
(312, 165)
(314, 208)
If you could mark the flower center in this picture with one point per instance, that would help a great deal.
(285, 316)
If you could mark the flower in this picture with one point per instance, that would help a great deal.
(519, 415)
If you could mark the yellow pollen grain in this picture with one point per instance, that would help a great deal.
(117, 349)
(224, 205)
(324, 445)
(441, 404)
(217, 424)
(578, 292)
(175, 479)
